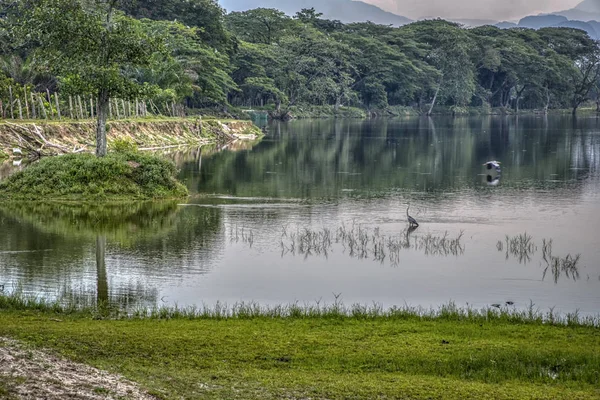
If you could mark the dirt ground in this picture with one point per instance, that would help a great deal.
(32, 374)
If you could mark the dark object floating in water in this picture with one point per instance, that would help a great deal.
(510, 303)
(411, 221)
(496, 305)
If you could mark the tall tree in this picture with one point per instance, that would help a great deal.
(92, 47)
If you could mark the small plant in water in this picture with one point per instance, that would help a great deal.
(520, 246)
(364, 243)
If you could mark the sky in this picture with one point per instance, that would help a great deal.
(477, 9)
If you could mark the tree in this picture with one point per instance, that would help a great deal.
(261, 25)
(189, 67)
(449, 53)
(206, 15)
(92, 47)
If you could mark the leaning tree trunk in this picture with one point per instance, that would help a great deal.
(437, 91)
(102, 113)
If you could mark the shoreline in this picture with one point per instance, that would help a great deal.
(32, 139)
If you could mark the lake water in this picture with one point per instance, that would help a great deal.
(318, 208)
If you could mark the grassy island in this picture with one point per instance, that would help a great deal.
(118, 176)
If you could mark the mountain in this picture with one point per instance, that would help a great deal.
(541, 21)
(585, 11)
(470, 23)
(506, 25)
(585, 16)
(344, 10)
(584, 26)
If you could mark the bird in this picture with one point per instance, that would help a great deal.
(493, 164)
(411, 221)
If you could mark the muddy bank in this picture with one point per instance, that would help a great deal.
(29, 139)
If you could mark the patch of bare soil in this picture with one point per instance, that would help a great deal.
(33, 374)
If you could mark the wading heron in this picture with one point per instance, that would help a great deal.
(411, 221)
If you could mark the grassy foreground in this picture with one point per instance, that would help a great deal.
(250, 352)
(118, 176)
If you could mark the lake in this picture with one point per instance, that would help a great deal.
(317, 209)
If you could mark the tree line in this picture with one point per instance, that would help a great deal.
(191, 53)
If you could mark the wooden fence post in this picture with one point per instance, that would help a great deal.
(80, 107)
(57, 105)
(50, 103)
(20, 109)
(33, 106)
(92, 106)
(71, 106)
(42, 106)
(117, 109)
(26, 102)
(124, 109)
(12, 116)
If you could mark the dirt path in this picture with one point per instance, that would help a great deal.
(33, 374)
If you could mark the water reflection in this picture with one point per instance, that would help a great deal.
(362, 242)
(326, 159)
(66, 231)
(522, 247)
(313, 177)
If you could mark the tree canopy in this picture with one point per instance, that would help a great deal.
(192, 53)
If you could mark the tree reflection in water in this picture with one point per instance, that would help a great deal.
(69, 227)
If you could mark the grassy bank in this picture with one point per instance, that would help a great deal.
(118, 176)
(329, 352)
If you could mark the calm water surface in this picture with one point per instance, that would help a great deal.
(319, 207)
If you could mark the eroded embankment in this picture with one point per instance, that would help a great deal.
(37, 139)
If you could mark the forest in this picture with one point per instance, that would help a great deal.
(184, 55)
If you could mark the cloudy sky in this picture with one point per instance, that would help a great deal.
(483, 9)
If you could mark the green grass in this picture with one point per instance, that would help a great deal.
(333, 352)
(118, 176)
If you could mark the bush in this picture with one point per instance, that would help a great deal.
(118, 176)
(125, 145)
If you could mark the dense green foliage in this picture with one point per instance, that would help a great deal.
(82, 176)
(368, 354)
(263, 57)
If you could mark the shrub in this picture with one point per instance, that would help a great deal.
(118, 176)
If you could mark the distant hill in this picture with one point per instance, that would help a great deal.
(541, 21)
(588, 10)
(506, 25)
(585, 16)
(584, 26)
(469, 23)
(344, 10)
